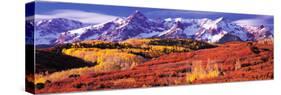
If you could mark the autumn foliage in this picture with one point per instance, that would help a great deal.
(211, 70)
(137, 63)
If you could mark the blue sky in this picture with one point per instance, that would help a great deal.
(90, 13)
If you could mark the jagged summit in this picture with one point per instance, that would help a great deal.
(219, 19)
(137, 25)
(136, 16)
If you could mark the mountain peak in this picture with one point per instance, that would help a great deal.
(219, 19)
(137, 25)
(137, 11)
(58, 21)
(261, 26)
(179, 24)
(137, 15)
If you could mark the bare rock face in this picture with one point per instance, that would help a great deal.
(137, 25)
(228, 38)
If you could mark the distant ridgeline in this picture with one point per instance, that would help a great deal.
(221, 30)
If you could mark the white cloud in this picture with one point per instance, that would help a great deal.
(250, 22)
(254, 21)
(177, 12)
(83, 16)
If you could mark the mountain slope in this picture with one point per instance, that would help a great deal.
(46, 31)
(259, 32)
(242, 64)
(137, 25)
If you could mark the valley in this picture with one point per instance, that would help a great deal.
(141, 63)
(137, 50)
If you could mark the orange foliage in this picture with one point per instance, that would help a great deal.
(39, 78)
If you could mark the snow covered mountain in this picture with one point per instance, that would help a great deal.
(176, 31)
(46, 31)
(214, 30)
(134, 26)
(137, 25)
(259, 32)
